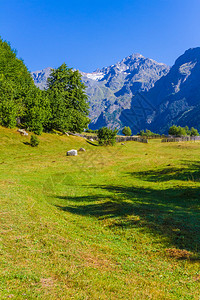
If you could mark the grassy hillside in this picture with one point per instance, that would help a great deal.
(118, 222)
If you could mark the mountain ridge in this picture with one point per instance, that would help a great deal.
(142, 93)
(111, 88)
(177, 93)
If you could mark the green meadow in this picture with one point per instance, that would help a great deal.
(119, 222)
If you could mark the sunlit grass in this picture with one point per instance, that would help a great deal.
(118, 222)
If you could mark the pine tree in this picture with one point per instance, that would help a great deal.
(9, 107)
(37, 111)
(17, 89)
(68, 100)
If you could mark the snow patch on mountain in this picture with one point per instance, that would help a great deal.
(94, 76)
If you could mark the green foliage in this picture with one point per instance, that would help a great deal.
(182, 131)
(194, 132)
(19, 97)
(107, 136)
(177, 131)
(148, 133)
(127, 131)
(15, 82)
(92, 131)
(9, 107)
(34, 141)
(68, 100)
(62, 107)
(37, 111)
(187, 130)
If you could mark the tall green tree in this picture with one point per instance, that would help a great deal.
(37, 111)
(20, 100)
(19, 97)
(127, 131)
(68, 100)
(9, 106)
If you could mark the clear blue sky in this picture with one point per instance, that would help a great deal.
(93, 34)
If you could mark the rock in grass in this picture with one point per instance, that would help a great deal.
(72, 152)
(82, 149)
(22, 132)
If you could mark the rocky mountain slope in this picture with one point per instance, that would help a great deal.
(143, 94)
(175, 98)
(111, 89)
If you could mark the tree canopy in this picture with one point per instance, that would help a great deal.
(63, 106)
(127, 131)
(183, 131)
(20, 100)
(107, 136)
(68, 100)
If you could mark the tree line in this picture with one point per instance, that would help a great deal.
(61, 106)
(183, 131)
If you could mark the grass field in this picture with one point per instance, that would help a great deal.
(118, 222)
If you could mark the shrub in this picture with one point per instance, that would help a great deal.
(148, 133)
(187, 130)
(194, 132)
(180, 131)
(173, 130)
(107, 136)
(127, 131)
(177, 131)
(34, 141)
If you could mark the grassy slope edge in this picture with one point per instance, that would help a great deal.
(97, 226)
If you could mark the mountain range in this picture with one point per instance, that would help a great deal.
(142, 93)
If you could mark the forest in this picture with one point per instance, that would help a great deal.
(62, 106)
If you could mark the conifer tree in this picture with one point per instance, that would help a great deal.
(68, 100)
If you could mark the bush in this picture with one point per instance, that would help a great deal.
(127, 131)
(180, 131)
(148, 133)
(107, 136)
(34, 141)
(194, 132)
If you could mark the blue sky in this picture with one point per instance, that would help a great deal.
(92, 34)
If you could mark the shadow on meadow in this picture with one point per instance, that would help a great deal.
(173, 213)
(189, 171)
(93, 144)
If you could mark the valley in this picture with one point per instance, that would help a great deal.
(112, 223)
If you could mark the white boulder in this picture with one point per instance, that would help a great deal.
(72, 152)
(22, 132)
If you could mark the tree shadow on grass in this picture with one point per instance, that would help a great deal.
(173, 213)
(93, 144)
(189, 171)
